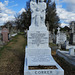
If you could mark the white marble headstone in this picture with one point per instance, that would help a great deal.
(38, 51)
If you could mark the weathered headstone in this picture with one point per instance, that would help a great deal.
(60, 37)
(50, 37)
(74, 38)
(71, 51)
(72, 26)
(1, 43)
(5, 35)
(72, 34)
(0, 32)
(63, 38)
(38, 53)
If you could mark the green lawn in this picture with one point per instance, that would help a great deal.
(12, 56)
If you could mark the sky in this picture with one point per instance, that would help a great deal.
(10, 8)
(65, 10)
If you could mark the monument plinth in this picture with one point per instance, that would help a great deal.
(38, 58)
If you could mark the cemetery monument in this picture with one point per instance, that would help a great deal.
(0, 32)
(38, 58)
(61, 37)
(72, 34)
(5, 35)
(58, 36)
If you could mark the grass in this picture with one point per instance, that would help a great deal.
(12, 56)
(14, 40)
(52, 44)
(4, 47)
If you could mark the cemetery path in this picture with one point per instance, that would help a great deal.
(12, 56)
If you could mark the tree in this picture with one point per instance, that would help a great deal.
(65, 29)
(27, 5)
(51, 16)
(26, 19)
(26, 16)
(18, 21)
(23, 20)
(8, 25)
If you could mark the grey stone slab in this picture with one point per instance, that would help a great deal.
(67, 56)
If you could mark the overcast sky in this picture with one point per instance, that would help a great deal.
(65, 10)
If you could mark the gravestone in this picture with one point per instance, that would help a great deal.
(0, 37)
(72, 34)
(0, 32)
(50, 38)
(74, 38)
(71, 52)
(63, 38)
(5, 35)
(60, 37)
(38, 52)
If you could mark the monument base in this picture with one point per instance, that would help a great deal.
(46, 67)
(55, 69)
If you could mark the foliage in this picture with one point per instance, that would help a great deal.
(52, 44)
(65, 29)
(8, 25)
(18, 21)
(51, 16)
(26, 19)
(23, 20)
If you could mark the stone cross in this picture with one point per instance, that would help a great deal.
(58, 30)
